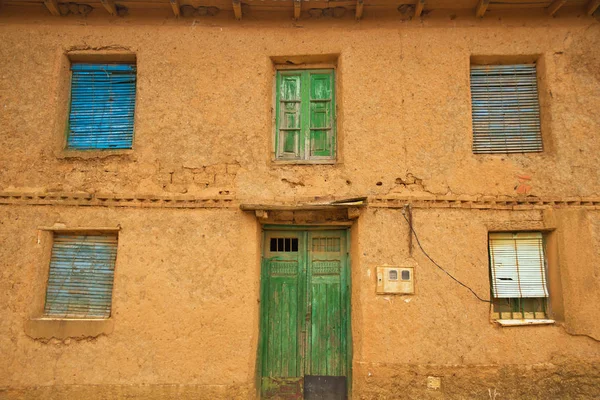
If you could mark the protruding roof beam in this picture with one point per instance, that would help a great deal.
(297, 9)
(52, 6)
(554, 6)
(109, 5)
(175, 7)
(419, 8)
(237, 9)
(481, 8)
(359, 9)
(592, 6)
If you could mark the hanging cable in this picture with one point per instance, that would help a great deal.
(434, 263)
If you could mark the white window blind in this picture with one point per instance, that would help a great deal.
(517, 265)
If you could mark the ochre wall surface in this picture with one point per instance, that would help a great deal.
(187, 281)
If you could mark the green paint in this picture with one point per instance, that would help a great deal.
(305, 116)
(305, 303)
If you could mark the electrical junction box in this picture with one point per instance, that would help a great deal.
(395, 280)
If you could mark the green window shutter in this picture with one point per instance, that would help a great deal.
(321, 112)
(289, 105)
(305, 116)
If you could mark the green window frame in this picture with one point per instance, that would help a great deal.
(305, 115)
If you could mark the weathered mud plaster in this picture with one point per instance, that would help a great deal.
(185, 316)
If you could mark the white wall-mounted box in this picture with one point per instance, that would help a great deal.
(396, 280)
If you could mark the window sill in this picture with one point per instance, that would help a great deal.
(93, 154)
(524, 322)
(48, 328)
(303, 162)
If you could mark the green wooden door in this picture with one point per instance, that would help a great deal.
(305, 310)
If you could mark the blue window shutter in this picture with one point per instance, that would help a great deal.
(102, 106)
(80, 279)
(506, 111)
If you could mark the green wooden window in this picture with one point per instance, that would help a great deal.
(305, 115)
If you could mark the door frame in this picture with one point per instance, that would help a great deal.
(262, 321)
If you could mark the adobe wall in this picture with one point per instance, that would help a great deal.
(203, 121)
(186, 285)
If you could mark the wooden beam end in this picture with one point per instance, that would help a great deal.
(481, 8)
(555, 6)
(52, 6)
(109, 5)
(419, 8)
(359, 9)
(592, 6)
(237, 9)
(176, 8)
(297, 9)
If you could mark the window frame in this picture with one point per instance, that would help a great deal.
(41, 326)
(503, 308)
(304, 157)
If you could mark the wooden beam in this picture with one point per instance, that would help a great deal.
(109, 5)
(359, 9)
(419, 8)
(237, 9)
(297, 9)
(52, 6)
(175, 7)
(481, 8)
(554, 6)
(592, 6)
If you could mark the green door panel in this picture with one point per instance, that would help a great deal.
(304, 310)
(328, 292)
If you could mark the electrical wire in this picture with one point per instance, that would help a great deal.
(436, 264)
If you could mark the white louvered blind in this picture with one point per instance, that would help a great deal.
(517, 265)
(506, 111)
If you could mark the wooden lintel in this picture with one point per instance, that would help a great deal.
(109, 5)
(419, 8)
(481, 8)
(52, 6)
(592, 6)
(297, 9)
(359, 9)
(554, 6)
(237, 9)
(175, 7)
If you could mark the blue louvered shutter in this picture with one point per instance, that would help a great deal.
(80, 279)
(102, 106)
(506, 111)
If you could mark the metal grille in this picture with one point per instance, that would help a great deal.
(326, 244)
(506, 111)
(517, 265)
(80, 280)
(102, 106)
(285, 245)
